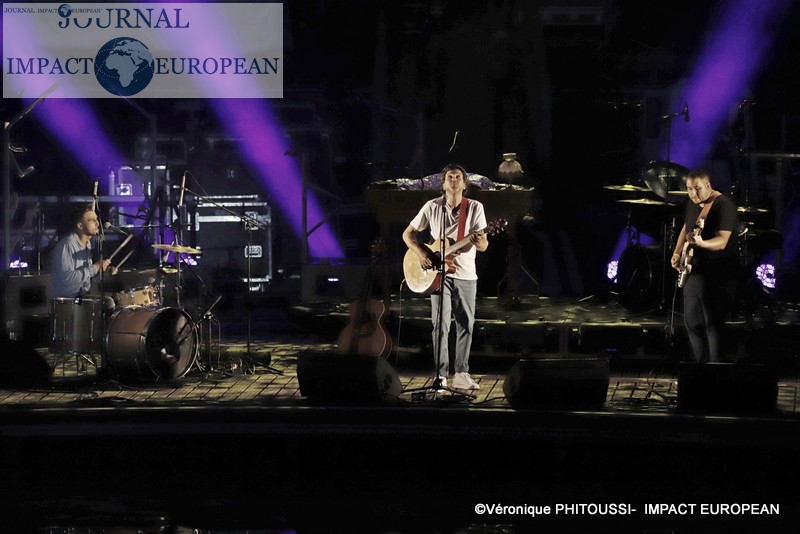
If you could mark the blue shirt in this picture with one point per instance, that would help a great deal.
(72, 271)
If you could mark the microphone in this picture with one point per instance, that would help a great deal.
(455, 137)
(94, 193)
(118, 230)
(686, 112)
(183, 188)
(22, 173)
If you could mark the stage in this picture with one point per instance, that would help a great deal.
(235, 443)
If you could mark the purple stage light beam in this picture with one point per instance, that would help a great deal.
(262, 141)
(75, 125)
(722, 74)
(72, 121)
(263, 145)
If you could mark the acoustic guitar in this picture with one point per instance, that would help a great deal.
(685, 264)
(365, 333)
(426, 281)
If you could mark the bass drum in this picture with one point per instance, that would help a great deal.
(151, 344)
(641, 277)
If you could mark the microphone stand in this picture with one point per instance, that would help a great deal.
(251, 224)
(101, 237)
(665, 247)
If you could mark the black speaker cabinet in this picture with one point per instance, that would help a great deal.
(346, 377)
(727, 387)
(558, 383)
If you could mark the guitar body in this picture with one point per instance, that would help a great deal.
(366, 332)
(685, 264)
(425, 281)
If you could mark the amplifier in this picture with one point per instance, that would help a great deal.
(231, 230)
(25, 299)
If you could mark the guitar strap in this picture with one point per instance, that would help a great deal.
(462, 219)
(704, 212)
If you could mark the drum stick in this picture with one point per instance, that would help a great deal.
(125, 242)
(123, 260)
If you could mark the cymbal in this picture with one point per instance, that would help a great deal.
(169, 270)
(750, 209)
(178, 249)
(677, 192)
(663, 176)
(644, 202)
(627, 188)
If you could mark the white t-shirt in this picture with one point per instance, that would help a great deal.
(431, 216)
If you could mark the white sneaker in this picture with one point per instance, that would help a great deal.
(464, 381)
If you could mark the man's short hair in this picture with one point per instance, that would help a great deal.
(78, 212)
(699, 172)
(454, 167)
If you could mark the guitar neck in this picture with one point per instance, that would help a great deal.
(457, 245)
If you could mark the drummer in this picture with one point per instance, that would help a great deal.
(73, 269)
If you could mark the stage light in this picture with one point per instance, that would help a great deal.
(18, 264)
(611, 270)
(766, 275)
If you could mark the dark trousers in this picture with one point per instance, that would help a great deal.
(706, 301)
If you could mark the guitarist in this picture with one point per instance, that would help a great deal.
(450, 215)
(710, 286)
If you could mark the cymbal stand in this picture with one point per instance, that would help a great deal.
(251, 224)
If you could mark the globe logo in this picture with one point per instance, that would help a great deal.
(123, 66)
(65, 10)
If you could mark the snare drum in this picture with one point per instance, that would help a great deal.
(147, 296)
(149, 343)
(76, 325)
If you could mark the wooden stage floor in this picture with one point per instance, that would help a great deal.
(234, 444)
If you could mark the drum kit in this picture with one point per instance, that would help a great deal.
(140, 338)
(651, 209)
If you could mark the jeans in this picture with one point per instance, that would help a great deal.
(458, 303)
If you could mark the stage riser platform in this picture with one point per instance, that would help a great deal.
(563, 329)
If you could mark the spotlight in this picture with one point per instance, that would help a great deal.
(766, 275)
(611, 270)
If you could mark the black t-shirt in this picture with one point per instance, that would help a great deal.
(721, 216)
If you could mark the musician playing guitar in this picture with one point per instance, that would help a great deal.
(709, 287)
(452, 216)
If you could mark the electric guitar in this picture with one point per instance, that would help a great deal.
(427, 281)
(685, 264)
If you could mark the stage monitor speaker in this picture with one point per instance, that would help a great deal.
(346, 377)
(21, 366)
(727, 387)
(558, 383)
